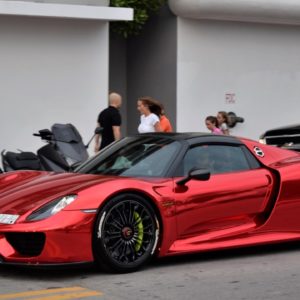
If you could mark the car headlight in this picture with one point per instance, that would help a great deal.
(51, 208)
(262, 141)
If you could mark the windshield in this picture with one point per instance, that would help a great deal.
(140, 156)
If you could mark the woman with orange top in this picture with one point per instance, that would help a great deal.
(165, 123)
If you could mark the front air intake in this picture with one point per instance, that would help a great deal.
(28, 243)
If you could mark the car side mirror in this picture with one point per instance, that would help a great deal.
(196, 174)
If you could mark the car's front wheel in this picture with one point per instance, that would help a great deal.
(126, 233)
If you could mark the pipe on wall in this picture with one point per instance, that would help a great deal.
(260, 11)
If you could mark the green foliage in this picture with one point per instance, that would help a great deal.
(142, 11)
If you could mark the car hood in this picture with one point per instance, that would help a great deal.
(24, 191)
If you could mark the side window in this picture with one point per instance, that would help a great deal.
(216, 158)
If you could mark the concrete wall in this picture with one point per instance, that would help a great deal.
(52, 71)
(257, 11)
(145, 65)
(80, 2)
(151, 67)
(251, 69)
(118, 73)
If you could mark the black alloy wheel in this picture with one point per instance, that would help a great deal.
(126, 234)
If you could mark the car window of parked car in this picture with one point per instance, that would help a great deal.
(143, 157)
(216, 158)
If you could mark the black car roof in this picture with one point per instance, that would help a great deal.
(196, 137)
(290, 129)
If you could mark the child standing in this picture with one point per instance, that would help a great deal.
(211, 123)
(223, 121)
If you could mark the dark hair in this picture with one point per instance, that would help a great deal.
(213, 120)
(224, 115)
(154, 105)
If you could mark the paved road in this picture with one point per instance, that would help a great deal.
(259, 273)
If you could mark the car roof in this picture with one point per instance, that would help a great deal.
(195, 137)
(290, 129)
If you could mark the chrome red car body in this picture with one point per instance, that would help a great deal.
(234, 209)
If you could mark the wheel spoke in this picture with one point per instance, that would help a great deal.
(122, 216)
(115, 219)
(116, 245)
(121, 252)
(128, 231)
(141, 217)
(112, 235)
(130, 214)
(115, 224)
(149, 226)
(132, 251)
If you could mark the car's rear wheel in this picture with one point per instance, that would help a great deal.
(126, 233)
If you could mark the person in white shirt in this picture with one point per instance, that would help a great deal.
(222, 118)
(150, 112)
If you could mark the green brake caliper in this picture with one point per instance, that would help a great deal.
(140, 229)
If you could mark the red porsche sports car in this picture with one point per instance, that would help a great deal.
(152, 194)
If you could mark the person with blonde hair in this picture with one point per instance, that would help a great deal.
(223, 121)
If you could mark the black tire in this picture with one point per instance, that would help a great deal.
(126, 234)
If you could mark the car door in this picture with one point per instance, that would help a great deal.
(232, 201)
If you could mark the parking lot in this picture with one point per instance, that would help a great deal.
(256, 273)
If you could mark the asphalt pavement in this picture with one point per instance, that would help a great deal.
(271, 272)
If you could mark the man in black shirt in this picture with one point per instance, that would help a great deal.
(110, 120)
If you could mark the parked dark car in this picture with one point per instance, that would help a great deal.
(287, 137)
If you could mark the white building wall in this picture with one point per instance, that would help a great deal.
(79, 2)
(251, 69)
(52, 71)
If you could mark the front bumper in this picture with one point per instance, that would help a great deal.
(67, 240)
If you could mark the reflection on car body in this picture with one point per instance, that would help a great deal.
(154, 194)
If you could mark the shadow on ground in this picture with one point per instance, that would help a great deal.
(90, 270)
(228, 254)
